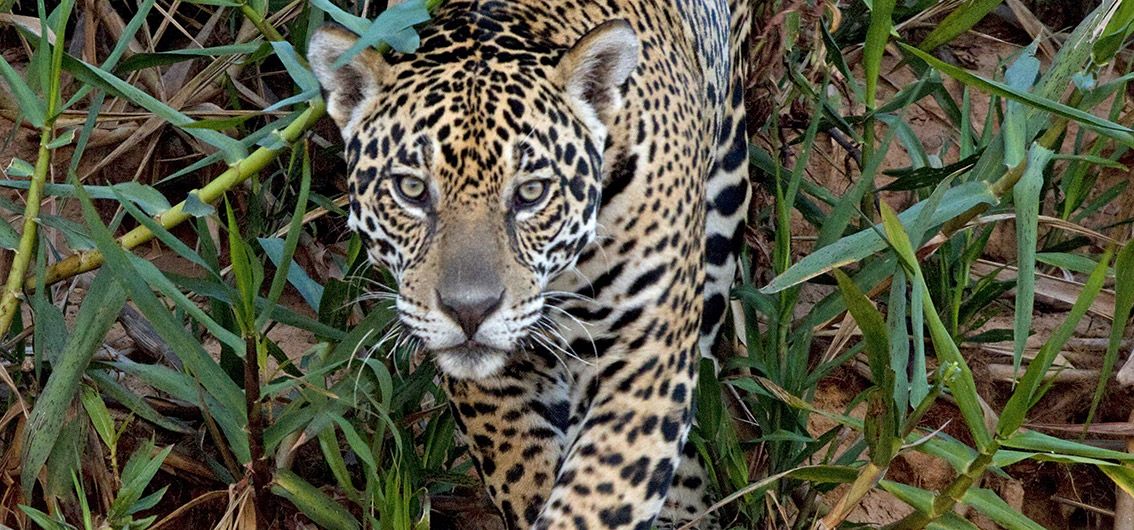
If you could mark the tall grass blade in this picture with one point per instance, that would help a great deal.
(1114, 34)
(322, 510)
(1110, 129)
(961, 383)
(858, 246)
(960, 20)
(877, 35)
(1123, 305)
(224, 399)
(990, 504)
(233, 150)
(96, 315)
(1025, 395)
(1026, 197)
(1021, 75)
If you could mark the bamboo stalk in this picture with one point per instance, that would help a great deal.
(89, 260)
(12, 296)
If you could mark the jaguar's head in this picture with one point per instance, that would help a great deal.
(475, 172)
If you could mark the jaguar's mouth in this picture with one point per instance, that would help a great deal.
(471, 360)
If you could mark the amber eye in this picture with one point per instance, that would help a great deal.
(411, 188)
(530, 192)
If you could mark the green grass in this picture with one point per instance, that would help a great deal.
(353, 432)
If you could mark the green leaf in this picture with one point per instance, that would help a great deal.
(300, 74)
(312, 292)
(315, 504)
(1036, 441)
(19, 168)
(858, 246)
(99, 415)
(244, 268)
(196, 207)
(97, 314)
(224, 400)
(151, 200)
(124, 39)
(393, 27)
(354, 23)
(961, 383)
(66, 138)
(9, 238)
(309, 289)
(165, 379)
(1123, 305)
(149, 60)
(1026, 197)
(1117, 30)
(1118, 133)
(50, 334)
(990, 504)
(148, 272)
(357, 444)
(148, 198)
(109, 387)
(1122, 476)
(1025, 394)
(960, 20)
(136, 475)
(31, 107)
(1072, 262)
(921, 500)
(1006, 457)
(75, 233)
(881, 420)
(881, 24)
(333, 456)
(43, 520)
(233, 150)
(1020, 76)
(220, 124)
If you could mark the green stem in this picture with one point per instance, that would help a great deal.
(1005, 183)
(88, 260)
(257, 20)
(951, 495)
(13, 292)
(84, 261)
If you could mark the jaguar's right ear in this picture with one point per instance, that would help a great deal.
(349, 87)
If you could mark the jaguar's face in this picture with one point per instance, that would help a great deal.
(474, 181)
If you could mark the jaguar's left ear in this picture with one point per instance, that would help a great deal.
(599, 63)
(347, 88)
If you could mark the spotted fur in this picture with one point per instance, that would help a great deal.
(568, 327)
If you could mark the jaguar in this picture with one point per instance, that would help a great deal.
(559, 189)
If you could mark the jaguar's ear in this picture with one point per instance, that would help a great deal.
(595, 68)
(349, 87)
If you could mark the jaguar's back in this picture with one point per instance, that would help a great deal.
(558, 187)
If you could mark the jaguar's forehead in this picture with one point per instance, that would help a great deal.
(473, 111)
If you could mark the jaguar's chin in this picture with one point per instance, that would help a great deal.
(471, 361)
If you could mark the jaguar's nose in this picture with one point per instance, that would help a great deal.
(470, 309)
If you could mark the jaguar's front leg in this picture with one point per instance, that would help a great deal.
(618, 469)
(515, 425)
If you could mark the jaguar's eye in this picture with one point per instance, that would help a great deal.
(531, 192)
(411, 188)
